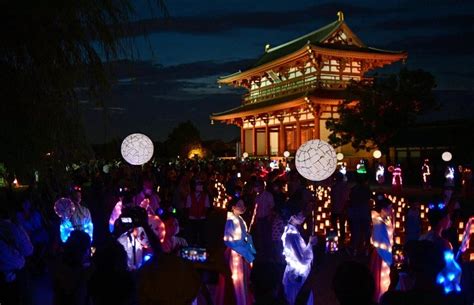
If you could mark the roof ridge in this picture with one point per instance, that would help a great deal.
(306, 35)
(383, 50)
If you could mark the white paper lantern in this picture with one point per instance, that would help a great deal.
(339, 156)
(286, 154)
(446, 156)
(377, 154)
(316, 160)
(137, 149)
(245, 155)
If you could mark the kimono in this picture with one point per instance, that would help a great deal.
(298, 256)
(239, 254)
(381, 258)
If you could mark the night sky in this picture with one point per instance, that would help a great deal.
(172, 78)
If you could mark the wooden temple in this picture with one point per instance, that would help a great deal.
(294, 87)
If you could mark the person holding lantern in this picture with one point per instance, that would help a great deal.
(382, 240)
(78, 218)
(298, 256)
(240, 253)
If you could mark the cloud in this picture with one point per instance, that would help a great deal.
(209, 24)
(149, 73)
(453, 43)
(432, 23)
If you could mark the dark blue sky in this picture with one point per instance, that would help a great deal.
(172, 76)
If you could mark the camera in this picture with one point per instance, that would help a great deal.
(132, 217)
(194, 254)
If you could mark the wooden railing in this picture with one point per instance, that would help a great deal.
(293, 86)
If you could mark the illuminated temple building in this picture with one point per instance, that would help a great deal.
(295, 87)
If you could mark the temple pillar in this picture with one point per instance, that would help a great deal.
(242, 138)
(267, 138)
(281, 138)
(298, 130)
(254, 139)
(317, 125)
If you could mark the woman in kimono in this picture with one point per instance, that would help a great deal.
(382, 240)
(298, 256)
(239, 254)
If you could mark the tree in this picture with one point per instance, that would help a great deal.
(372, 114)
(52, 52)
(182, 138)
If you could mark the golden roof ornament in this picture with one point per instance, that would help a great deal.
(267, 47)
(340, 16)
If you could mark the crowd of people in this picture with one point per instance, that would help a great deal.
(118, 234)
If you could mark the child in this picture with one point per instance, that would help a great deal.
(382, 240)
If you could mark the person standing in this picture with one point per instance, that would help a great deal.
(197, 205)
(15, 246)
(263, 221)
(340, 199)
(359, 215)
(382, 240)
(80, 218)
(148, 198)
(426, 174)
(239, 254)
(298, 256)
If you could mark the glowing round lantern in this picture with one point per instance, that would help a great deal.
(64, 208)
(316, 160)
(339, 156)
(377, 154)
(137, 149)
(245, 155)
(286, 154)
(446, 156)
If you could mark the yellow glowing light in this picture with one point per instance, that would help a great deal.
(196, 152)
(461, 225)
(377, 154)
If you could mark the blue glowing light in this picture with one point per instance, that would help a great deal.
(440, 206)
(447, 289)
(450, 276)
(440, 279)
(66, 227)
(147, 257)
(448, 256)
